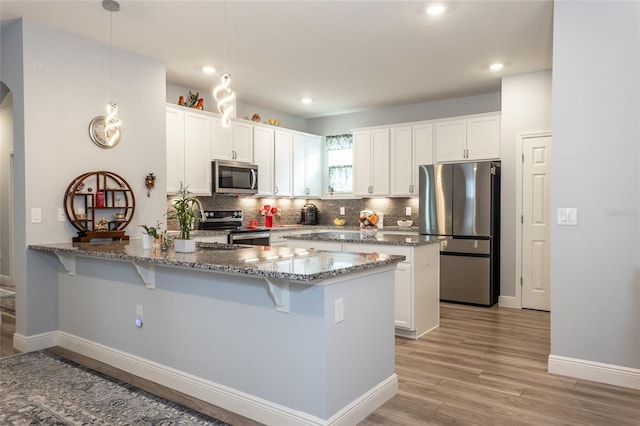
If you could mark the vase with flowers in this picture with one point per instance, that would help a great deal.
(268, 212)
(368, 223)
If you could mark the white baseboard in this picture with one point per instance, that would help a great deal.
(230, 399)
(36, 342)
(509, 302)
(595, 371)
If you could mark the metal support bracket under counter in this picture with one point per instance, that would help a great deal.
(145, 270)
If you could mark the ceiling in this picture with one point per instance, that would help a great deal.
(347, 55)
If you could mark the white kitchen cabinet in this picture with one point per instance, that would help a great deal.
(234, 143)
(411, 146)
(263, 150)
(371, 162)
(468, 139)
(189, 136)
(417, 281)
(417, 286)
(282, 165)
(307, 160)
(483, 138)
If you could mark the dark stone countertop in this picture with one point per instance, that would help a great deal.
(268, 262)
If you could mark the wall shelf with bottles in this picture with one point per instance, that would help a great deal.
(99, 204)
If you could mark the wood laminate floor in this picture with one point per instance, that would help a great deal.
(481, 367)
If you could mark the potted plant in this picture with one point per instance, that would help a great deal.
(185, 210)
(151, 236)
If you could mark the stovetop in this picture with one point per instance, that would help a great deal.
(225, 220)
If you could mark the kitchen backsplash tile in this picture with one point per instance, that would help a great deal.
(289, 209)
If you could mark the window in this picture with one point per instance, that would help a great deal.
(340, 163)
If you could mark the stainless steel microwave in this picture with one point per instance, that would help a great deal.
(233, 177)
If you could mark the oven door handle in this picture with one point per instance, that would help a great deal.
(249, 236)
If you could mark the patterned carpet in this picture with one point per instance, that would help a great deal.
(43, 388)
(7, 302)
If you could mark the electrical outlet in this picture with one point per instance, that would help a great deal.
(342, 213)
(139, 316)
(407, 211)
(36, 215)
(339, 310)
(61, 215)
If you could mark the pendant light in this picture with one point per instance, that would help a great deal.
(222, 93)
(112, 122)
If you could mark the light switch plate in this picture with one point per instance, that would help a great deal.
(36, 215)
(567, 216)
(61, 215)
(342, 211)
(407, 211)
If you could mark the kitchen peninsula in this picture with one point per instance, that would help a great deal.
(417, 278)
(281, 335)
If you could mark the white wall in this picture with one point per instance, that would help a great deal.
(64, 84)
(526, 108)
(595, 266)
(340, 124)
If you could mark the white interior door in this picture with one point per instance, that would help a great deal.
(536, 212)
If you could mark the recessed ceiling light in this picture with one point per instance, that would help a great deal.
(208, 70)
(435, 9)
(307, 100)
(496, 67)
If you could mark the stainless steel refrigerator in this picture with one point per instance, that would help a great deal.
(462, 201)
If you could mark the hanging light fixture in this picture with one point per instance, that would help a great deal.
(112, 123)
(222, 93)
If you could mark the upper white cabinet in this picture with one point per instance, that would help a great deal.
(282, 164)
(466, 139)
(307, 161)
(189, 138)
(263, 150)
(411, 146)
(234, 142)
(371, 162)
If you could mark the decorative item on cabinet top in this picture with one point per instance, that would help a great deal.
(99, 204)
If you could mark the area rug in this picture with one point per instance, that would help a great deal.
(43, 388)
(7, 301)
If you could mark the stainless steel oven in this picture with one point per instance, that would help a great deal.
(253, 237)
(231, 222)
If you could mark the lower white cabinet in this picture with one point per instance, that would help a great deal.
(417, 282)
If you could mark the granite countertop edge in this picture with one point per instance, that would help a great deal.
(410, 240)
(195, 261)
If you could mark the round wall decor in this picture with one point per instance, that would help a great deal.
(101, 136)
